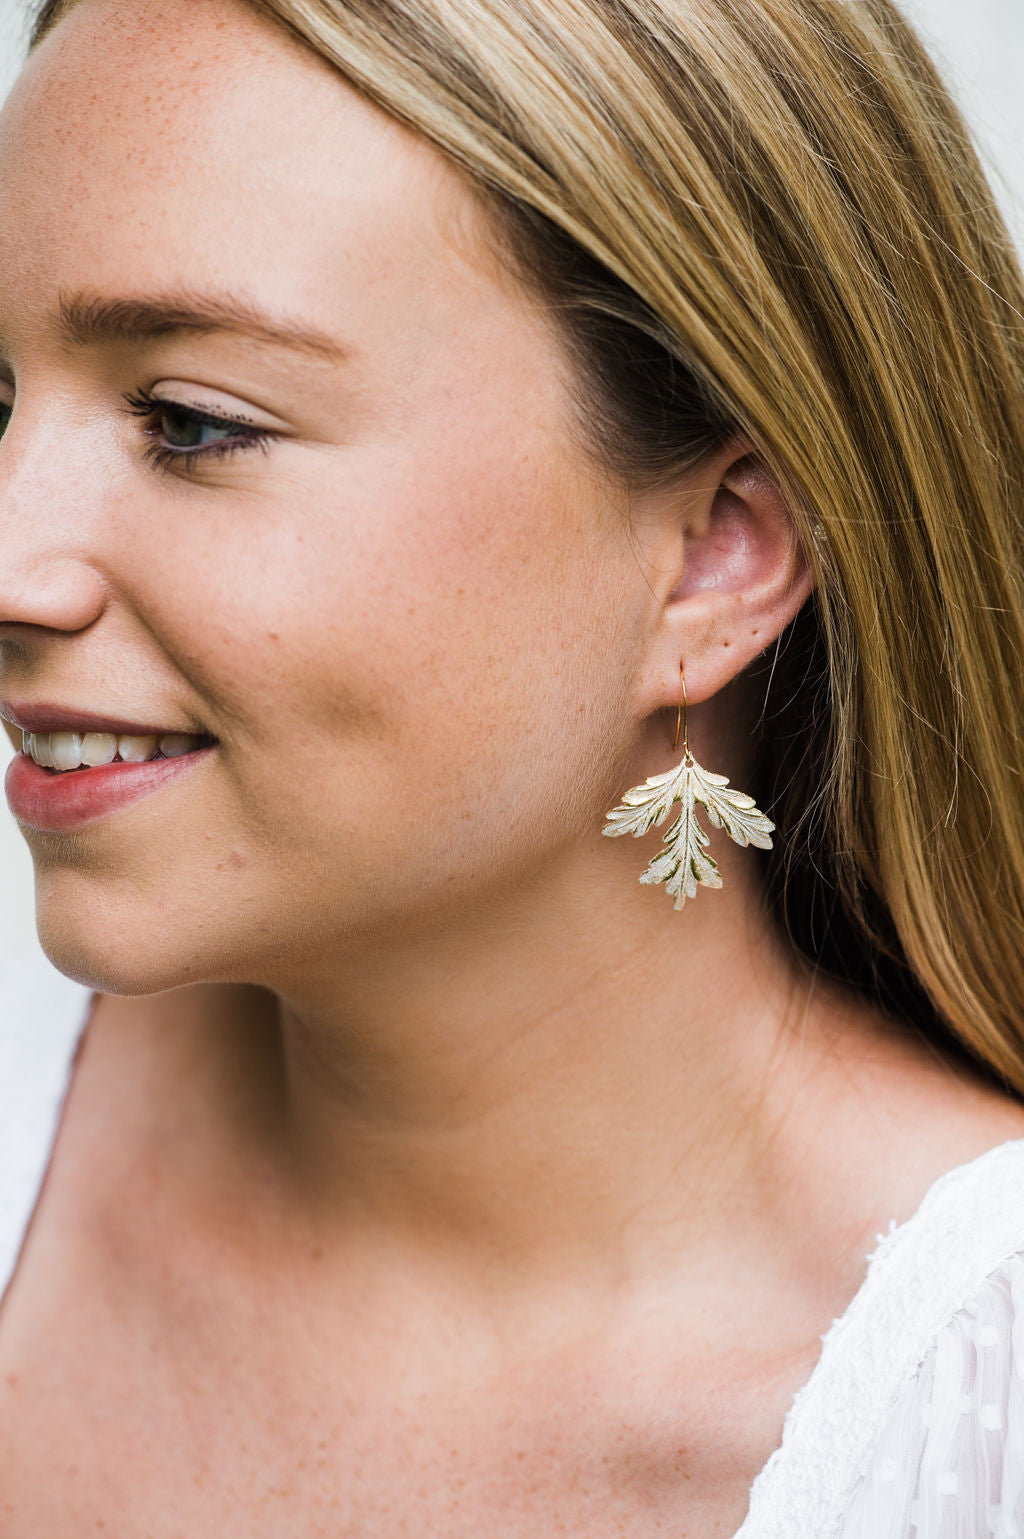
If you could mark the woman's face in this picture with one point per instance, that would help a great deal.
(358, 544)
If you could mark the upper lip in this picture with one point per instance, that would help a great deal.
(63, 718)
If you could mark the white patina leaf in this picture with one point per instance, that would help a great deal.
(683, 865)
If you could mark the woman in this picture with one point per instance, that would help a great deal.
(407, 409)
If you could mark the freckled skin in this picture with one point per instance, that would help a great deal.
(441, 1163)
(414, 489)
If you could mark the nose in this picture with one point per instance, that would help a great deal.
(52, 593)
(49, 581)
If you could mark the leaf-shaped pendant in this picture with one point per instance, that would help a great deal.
(683, 864)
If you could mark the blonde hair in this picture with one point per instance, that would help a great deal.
(765, 217)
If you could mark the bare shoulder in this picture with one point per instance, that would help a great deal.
(898, 1110)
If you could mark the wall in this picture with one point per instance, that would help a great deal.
(12, 29)
(979, 44)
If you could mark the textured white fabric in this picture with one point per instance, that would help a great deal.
(950, 1462)
(912, 1423)
(42, 1015)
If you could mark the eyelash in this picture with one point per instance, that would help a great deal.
(167, 458)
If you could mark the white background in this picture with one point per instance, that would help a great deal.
(978, 43)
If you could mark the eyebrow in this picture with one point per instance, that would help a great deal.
(88, 320)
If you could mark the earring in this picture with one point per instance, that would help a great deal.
(683, 865)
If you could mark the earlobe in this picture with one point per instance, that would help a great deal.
(744, 574)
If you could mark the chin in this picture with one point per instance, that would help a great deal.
(116, 943)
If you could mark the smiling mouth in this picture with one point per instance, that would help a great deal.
(64, 752)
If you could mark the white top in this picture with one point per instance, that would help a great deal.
(912, 1423)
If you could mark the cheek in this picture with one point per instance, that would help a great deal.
(415, 645)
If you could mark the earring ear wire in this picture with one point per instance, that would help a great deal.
(683, 864)
(681, 713)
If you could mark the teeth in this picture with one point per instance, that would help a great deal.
(136, 750)
(174, 744)
(40, 749)
(65, 751)
(99, 748)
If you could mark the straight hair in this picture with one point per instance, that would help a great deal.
(766, 218)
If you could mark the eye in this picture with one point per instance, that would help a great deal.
(5, 416)
(182, 437)
(186, 429)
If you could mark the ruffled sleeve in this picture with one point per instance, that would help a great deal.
(912, 1424)
(950, 1460)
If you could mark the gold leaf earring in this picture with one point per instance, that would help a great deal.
(683, 864)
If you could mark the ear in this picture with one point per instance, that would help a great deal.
(729, 573)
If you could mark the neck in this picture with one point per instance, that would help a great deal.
(603, 1076)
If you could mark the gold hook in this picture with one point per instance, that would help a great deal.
(681, 717)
